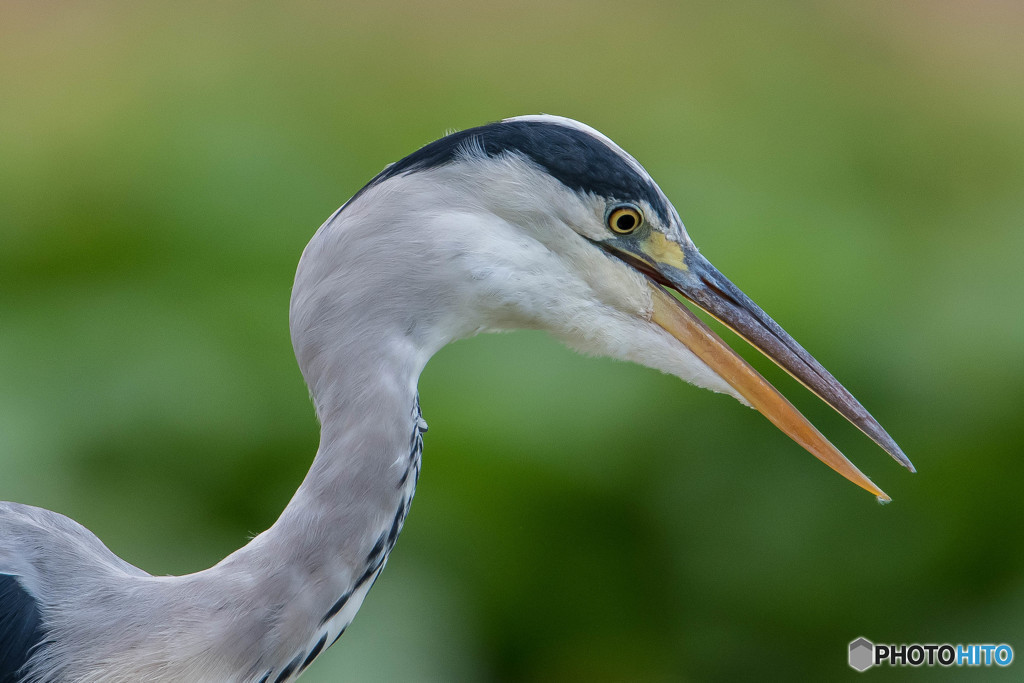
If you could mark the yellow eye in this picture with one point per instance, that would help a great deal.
(625, 219)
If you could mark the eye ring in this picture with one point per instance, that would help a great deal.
(625, 219)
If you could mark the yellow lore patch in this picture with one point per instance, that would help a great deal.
(663, 250)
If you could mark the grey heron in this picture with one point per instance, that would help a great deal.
(533, 222)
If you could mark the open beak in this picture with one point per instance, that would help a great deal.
(669, 265)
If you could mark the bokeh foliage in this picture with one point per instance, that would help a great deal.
(857, 167)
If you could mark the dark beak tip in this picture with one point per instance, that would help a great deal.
(909, 465)
(887, 443)
(905, 461)
(716, 295)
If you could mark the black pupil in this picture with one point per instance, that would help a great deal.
(625, 221)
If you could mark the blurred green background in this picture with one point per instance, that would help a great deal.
(856, 167)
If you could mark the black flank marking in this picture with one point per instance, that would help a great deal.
(287, 671)
(377, 547)
(335, 608)
(20, 627)
(577, 159)
(396, 525)
(340, 634)
(369, 572)
(405, 475)
(266, 676)
(314, 652)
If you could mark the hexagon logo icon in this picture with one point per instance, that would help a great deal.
(862, 654)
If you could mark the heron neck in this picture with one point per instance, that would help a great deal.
(361, 346)
(322, 555)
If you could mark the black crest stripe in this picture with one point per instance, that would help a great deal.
(20, 627)
(577, 159)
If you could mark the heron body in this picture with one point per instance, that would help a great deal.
(535, 222)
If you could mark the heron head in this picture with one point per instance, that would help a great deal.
(542, 222)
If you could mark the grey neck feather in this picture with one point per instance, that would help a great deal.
(269, 608)
(381, 287)
(331, 542)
